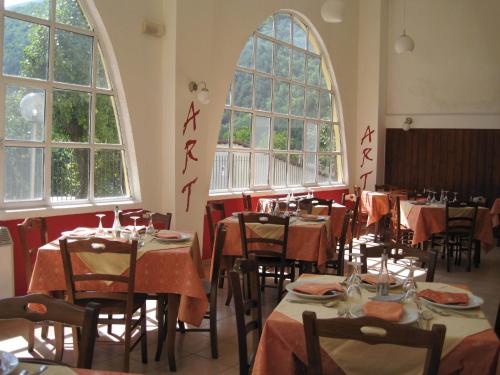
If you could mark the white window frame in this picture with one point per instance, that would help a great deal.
(336, 106)
(115, 91)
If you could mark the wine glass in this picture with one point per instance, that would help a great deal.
(429, 195)
(409, 283)
(150, 229)
(455, 196)
(445, 199)
(433, 200)
(135, 234)
(100, 230)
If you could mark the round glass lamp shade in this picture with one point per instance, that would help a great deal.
(404, 44)
(203, 96)
(331, 11)
(32, 107)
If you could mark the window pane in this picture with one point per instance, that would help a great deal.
(279, 169)
(336, 138)
(310, 168)
(325, 79)
(281, 97)
(106, 125)
(325, 137)
(241, 170)
(220, 171)
(295, 169)
(297, 102)
(337, 173)
(267, 27)
(261, 169)
(23, 173)
(263, 93)
(242, 89)
(110, 177)
(246, 55)
(280, 133)
(70, 13)
(313, 70)
(283, 24)
(73, 58)
(264, 56)
(34, 8)
(312, 103)
(223, 140)
(242, 129)
(335, 109)
(282, 61)
(312, 44)
(25, 49)
(299, 34)
(324, 162)
(70, 174)
(102, 79)
(298, 66)
(297, 135)
(24, 114)
(70, 118)
(325, 105)
(311, 137)
(228, 97)
(262, 132)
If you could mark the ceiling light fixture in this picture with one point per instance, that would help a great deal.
(331, 11)
(203, 93)
(404, 43)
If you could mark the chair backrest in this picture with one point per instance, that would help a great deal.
(280, 239)
(160, 221)
(56, 310)
(357, 190)
(308, 204)
(396, 219)
(353, 329)
(217, 255)
(98, 246)
(342, 241)
(246, 300)
(353, 202)
(397, 251)
(30, 228)
(211, 208)
(247, 201)
(464, 222)
(382, 187)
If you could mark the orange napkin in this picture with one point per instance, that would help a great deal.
(391, 311)
(318, 289)
(372, 279)
(169, 235)
(309, 216)
(445, 298)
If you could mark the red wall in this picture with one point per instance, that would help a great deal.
(236, 204)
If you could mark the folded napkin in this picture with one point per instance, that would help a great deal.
(318, 289)
(372, 279)
(168, 235)
(391, 311)
(79, 233)
(445, 298)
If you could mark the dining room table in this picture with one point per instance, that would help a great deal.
(376, 205)
(173, 269)
(32, 368)
(470, 345)
(495, 213)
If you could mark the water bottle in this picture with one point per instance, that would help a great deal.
(117, 227)
(383, 278)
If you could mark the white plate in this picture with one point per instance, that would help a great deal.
(474, 301)
(289, 287)
(410, 315)
(183, 237)
(374, 287)
(317, 218)
(388, 298)
(8, 361)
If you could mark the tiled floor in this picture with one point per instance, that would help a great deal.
(193, 349)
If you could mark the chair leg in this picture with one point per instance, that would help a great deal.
(447, 256)
(110, 316)
(45, 331)
(221, 279)
(126, 344)
(144, 336)
(213, 326)
(182, 326)
(59, 339)
(31, 336)
(162, 326)
(280, 282)
(229, 292)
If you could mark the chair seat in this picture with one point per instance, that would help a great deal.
(114, 307)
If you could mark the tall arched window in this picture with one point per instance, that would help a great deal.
(60, 130)
(280, 126)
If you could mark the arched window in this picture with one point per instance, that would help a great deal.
(60, 130)
(280, 126)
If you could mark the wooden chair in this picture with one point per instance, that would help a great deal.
(399, 232)
(497, 322)
(265, 257)
(459, 233)
(247, 202)
(211, 292)
(308, 204)
(160, 221)
(112, 303)
(56, 310)
(338, 264)
(248, 300)
(33, 234)
(382, 187)
(352, 329)
(398, 251)
(211, 208)
(353, 202)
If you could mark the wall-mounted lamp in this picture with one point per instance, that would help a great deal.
(331, 11)
(203, 94)
(405, 42)
(407, 123)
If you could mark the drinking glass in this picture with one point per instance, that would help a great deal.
(100, 230)
(433, 200)
(429, 195)
(150, 229)
(135, 234)
(410, 284)
(455, 196)
(353, 291)
(445, 199)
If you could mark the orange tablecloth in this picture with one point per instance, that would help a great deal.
(308, 242)
(376, 205)
(336, 217)
(495, 213)
(178, 271)
(426, 220)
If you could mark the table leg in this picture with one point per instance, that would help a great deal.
(477, 253)
(173, 310)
